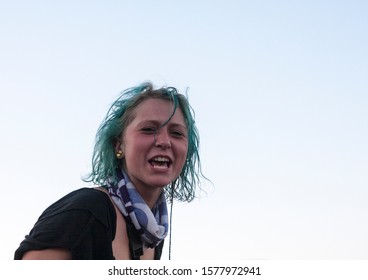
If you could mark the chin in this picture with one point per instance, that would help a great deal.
(160, 185)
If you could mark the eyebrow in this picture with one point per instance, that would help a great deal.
(159, 124)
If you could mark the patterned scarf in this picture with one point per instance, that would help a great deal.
(151, 224)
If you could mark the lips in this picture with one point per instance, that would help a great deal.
(160, 162)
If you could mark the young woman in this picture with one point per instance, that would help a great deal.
(146, 153)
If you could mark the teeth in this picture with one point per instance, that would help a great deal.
(160, 162)
(161, 159)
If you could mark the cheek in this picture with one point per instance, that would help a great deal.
(183, 154)
(136, 148)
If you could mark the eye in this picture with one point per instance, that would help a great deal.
(178, 133)
(148, 130)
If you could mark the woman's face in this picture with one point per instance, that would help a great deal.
(154, 156)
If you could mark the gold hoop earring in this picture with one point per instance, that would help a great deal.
(120, 154)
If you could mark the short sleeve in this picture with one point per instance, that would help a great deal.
(83, 222)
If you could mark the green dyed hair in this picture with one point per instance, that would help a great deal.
(120, 115)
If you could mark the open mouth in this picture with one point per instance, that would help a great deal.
(160, 162)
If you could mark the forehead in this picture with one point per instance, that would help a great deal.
(158, 110)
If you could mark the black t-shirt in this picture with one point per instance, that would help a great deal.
(83, 221)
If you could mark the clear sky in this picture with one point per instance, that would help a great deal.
(280, 94)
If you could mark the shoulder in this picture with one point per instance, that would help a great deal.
(94, 201)
(84, 198)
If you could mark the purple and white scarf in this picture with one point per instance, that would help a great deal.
(151, 224)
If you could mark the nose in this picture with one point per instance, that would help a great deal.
(162, 139)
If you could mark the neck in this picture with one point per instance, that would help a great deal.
(149, 194)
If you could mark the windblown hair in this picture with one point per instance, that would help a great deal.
(120, 115)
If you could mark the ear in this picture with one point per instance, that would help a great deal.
(118, 146)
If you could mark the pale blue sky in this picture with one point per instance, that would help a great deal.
(280, 94)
